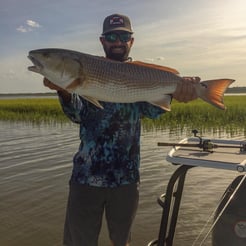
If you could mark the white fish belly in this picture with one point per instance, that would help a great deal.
(112, 92)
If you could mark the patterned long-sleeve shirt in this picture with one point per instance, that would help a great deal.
(109, 153)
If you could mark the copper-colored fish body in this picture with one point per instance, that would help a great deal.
(100, 79)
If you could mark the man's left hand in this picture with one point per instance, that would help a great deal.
(185, 91)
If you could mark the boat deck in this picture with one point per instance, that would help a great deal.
(231, 156)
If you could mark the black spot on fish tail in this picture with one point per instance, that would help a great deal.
(203, 85)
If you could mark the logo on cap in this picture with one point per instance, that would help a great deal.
(116, 20)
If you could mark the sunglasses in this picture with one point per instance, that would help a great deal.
(123, 37)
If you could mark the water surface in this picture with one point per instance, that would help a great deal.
(35, 166)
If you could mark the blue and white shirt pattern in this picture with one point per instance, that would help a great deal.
(109, 153)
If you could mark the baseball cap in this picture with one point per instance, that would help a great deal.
(116, 22)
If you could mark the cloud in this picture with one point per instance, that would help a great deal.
(159, 58)
(149, 59)
(22, 29)
(33, 23)
(29, 26)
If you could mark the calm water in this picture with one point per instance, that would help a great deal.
(35, 166)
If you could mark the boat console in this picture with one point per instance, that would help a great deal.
(229, 227)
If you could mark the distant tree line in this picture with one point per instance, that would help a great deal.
(229, 90)
(236, 90)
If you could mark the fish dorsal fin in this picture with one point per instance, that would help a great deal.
(159, 67)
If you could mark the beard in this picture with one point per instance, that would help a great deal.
(117, 53)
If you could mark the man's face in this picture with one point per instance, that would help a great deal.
(117, 45)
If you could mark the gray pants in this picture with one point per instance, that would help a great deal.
(85, 209)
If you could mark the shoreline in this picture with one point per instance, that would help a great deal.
(229, 91)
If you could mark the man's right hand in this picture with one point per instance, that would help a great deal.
(66, 96)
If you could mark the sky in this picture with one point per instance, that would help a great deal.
(205, 38)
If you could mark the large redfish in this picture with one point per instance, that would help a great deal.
(99, 79)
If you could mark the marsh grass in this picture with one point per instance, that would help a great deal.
(196, 114)
(203, 116)
(35, 110)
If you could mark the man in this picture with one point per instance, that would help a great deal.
(105, 174)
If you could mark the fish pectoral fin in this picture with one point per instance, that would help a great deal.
(74, 84)
(93, 101)
(163, 103)
(159, 67)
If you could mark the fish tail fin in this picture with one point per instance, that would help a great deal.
(212, 91)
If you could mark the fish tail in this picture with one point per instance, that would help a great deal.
(212, 91)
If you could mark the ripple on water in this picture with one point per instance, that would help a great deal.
(35, 166)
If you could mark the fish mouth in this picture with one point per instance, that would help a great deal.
(37, 64)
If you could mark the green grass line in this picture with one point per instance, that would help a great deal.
(34, 110)
(195, 114)
(199, 114)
